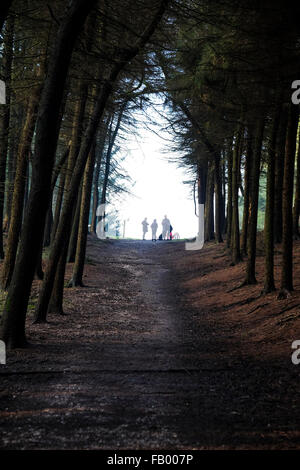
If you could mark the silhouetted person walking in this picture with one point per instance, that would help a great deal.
(145, 227)
(165, 228)
(154, 226)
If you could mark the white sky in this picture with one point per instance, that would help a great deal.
(158, 190)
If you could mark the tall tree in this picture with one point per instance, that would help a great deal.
(253, 207)
(287, 213)
(269, 285)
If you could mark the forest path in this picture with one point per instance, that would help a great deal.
(125, 369)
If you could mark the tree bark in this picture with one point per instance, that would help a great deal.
(253, 206)
(14, 138)
(103, 133)
(59, 199)
(111, 144)
(218, 201)
(5, 118)
(209, 206)
(287, 202)
(74, 230)
(229, 191)
(49, 218)
(235, 228)
(56, 298)
(279, 169)
(19, 189)
(269, 285)
(83, 222)
(247, 171)
(296, 208)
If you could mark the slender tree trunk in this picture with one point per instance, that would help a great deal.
(103, 133)
(39, 273)
(287, 203)
(74, 231)
(209, 209)
(229, 192)
(49, 218)
(95, 196)
(5, 119)
(253, 206)
(247, 171)
(218, 201)
(279, 169)
(223, 214)
(112, 138)
(19, 190)
(48, 228)
(59, 199)
(13, 319)
(14, 138)
(56, 298)
(202, 169)
(235, 228)
(296, 208)
(83, 222)
(269, 285)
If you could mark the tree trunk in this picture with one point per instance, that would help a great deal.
(223, 214)
(111, 144)
(269, 285)
(48, 228)
(229, 192)
(14, 138)
(19, 190)
(279, 169)
(103, 133)
(83, 222)
(56, 299)
(296, 208)
(59, 199)
(218, 201)
(247, 171)
(287, 202)
(209, 206)
(253, 206)
(74, 230)
(202, 169)
(235, 228)
(60, 166)
(39, 273)
(5, 118)
(13, 319)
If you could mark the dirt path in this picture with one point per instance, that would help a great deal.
(129, 368)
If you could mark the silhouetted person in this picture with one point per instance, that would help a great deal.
(145, 227)
(154, 227)
(165, 228)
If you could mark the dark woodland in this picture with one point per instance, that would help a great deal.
(213, 328)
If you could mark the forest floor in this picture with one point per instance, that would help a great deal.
(158, 351)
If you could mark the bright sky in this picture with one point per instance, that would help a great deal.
(158, 191)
